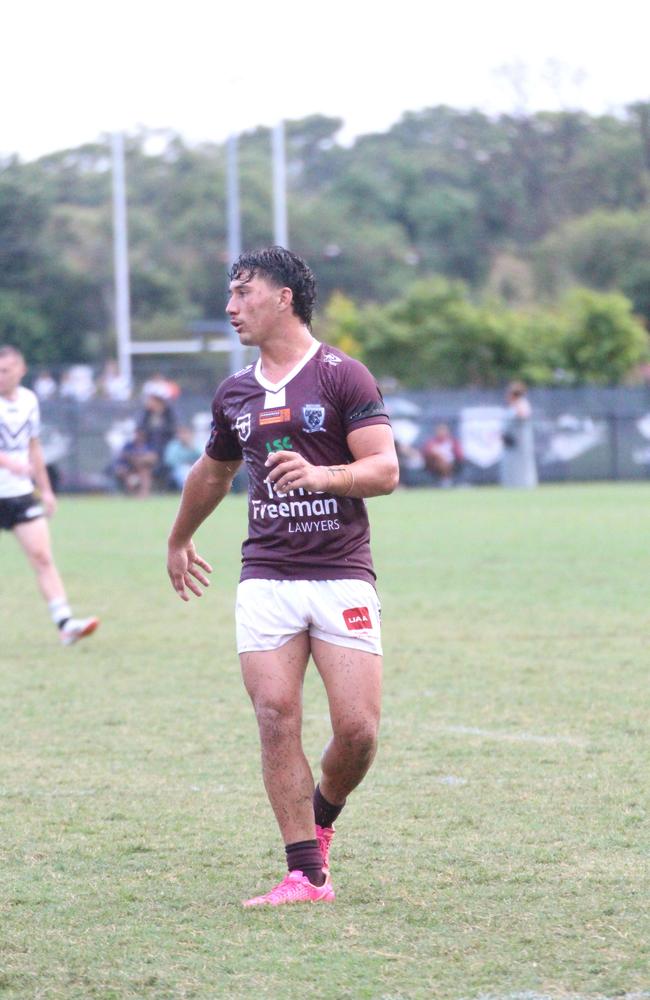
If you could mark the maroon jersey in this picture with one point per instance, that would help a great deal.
(300, 535)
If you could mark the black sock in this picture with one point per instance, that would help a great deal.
(324, 812)
(305, 856)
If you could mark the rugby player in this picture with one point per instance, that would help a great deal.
(311, 426)
(21, 467)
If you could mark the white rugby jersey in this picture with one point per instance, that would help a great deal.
(20, 421)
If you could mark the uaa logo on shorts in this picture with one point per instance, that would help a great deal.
(314, 417)
(243, 426)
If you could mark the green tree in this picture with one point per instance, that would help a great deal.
(340, 325)
(23, 326)
(443, 192)
(23, 215)
(48, 309)
(603, 250)
(313, 157)
(603, 341)
(435, 336)
(540, 337)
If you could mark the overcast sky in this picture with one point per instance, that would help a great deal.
(72, 70)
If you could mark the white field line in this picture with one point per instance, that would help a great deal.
(524, 737)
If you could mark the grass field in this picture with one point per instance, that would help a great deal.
(498, 848)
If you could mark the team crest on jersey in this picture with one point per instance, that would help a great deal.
(314, 416)
(332, 359)
(243, 426)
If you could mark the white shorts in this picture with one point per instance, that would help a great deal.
(344, 612)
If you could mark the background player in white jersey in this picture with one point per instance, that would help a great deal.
(310, 424)
(21, 468)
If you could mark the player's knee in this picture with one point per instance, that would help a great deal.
(360, 738)
(366, 742)
(41, 560)
(277, 720)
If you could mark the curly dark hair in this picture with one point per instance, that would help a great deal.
(284, 269)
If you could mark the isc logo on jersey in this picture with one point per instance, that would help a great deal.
(279, 444)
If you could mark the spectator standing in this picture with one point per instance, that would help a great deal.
(518, 468)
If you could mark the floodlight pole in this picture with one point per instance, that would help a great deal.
(121, 259)
(234, 240)
(280, 224)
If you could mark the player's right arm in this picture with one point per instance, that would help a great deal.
(205, 487)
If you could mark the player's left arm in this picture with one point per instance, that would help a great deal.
(40, 476)
(14, 465)
(373, 472)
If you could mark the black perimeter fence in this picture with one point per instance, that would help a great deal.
(580, 434)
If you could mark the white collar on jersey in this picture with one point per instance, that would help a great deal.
(270, 386)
